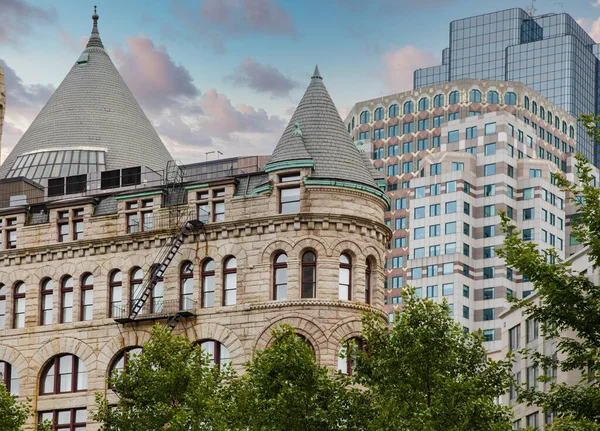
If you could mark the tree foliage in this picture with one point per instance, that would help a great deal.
(285, 389)
(567, 306)
(14, 414)
(172, 384)
(425, 374)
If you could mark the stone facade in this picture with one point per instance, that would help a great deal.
(2, 106)
(332, 221)
(521, 333)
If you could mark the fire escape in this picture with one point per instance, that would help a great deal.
(183, 223)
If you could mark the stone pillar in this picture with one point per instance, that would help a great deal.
(2, 107)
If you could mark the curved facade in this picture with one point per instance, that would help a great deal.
(91, 123)
(274, 248)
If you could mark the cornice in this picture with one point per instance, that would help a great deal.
(210, 232)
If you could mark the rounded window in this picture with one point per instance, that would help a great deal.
(280, 277)
(65, 373)
(218, 353)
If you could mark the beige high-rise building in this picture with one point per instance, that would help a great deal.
(520, 333)
(98, 241)
(454, 156)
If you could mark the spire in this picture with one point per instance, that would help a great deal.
(95, 40)
(316, 73)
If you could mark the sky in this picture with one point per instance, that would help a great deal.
(226, 75)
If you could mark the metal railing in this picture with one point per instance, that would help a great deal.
(156, 308)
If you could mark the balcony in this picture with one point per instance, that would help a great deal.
(155, 309)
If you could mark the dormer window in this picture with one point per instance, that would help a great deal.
(289, 195)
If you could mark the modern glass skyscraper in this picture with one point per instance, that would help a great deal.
(550, 53)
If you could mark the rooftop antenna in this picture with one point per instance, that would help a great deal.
(532, 10)
(218, 152)
(207, 153)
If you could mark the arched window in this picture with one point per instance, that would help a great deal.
(47, 302)
(10, 378)
(379, 114)
(219, 354)
(564, 127)
(66, 299)
(526, 102)
(368, 283)
(116, 294)
(208, 284)
(230, 281)
(349, 128)
(158, 293)
(136, 279)
(346, 362)
(280, 277)
(549, 117)
(408, 108)
(556, 123)
(309, 275)
(120, 362)
(510, 98)
(571, 132)
(87, 297)
(454, 97)
(19, 305)
(364, 117)
(475, 96)
(186, 280)
(393, 111)
(345, 278)
(534, 107)
(492, 97)
(423, 104)
(3, 291)
(64, 373)
(353, 122)
(542, 113)
(438, 101)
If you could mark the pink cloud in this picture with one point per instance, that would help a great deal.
(592, 27)
(399, 66)
(151, 74)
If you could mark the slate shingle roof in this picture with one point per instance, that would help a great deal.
(324, 139)
(94, 109)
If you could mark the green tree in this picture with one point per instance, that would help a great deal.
(567, 305)
(425, 374)
(14, 414)
(171, 385)
(285, 389)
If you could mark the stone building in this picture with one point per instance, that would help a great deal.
(522, 333)
(229, 257)
(454, 155)
(2, 104)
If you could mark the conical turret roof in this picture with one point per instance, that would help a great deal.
(317, 134)
(93, 110)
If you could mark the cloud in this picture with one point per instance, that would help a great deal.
(592, 27)
(389, 6)
(399, 66)
(19, 19)
(216, 20)
(263, 78)
(70, 43)
(244, 16)
(23, 103)
(596, 3)
(151, 74)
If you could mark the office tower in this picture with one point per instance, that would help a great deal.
(456, 154)
(551, 54)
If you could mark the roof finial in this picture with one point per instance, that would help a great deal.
(95, 36)
(316, 73)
